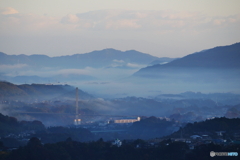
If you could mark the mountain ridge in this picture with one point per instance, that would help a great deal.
(97, 58)
(221, 57)
(10, 91)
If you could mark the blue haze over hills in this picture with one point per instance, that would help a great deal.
(97, 67)
(195, 87)
(224, 57)
(95, 59)
(113, 73)
(211, 70)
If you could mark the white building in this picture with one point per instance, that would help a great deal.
(127, 120)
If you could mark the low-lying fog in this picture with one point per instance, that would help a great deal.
(117, 91)
(119, 82)
(168, 82)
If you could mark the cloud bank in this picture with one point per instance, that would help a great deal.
(118, 20)
(9, 10)
(153, 32)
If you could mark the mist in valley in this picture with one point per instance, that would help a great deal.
(119, 80)
(119, 84)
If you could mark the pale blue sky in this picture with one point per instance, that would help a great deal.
(169, 28)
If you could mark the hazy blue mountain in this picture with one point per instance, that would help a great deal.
(103, 64)
(218, 58)
(28, 79)
(71, 95)
(9, 91)
(95, 59)
(13, 59)
(59, 79)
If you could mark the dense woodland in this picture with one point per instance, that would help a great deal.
(210, 127)
(151, 127)
(58, 143)
(10, 125)
(100, 150)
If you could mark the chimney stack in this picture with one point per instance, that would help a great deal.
(76, 102)
(77, 121)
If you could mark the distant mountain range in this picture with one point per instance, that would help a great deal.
(25, 92)
(95, 59)
(38, 79)
(108, 70)
(219, 58)
(23, 69)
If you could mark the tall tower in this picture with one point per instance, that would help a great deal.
(76, 102)
(77, 121)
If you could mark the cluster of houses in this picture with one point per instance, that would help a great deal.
(13, 141)
(192, 141)
(199, 139)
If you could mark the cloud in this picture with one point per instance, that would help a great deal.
(165, 22)
(9, 10)
(122, 24)
(179, 15)
(42, 72)
(31, 25)
(232, 20)
(133, 65)
(153, 32)
(141, 15)
(5, 67)
(70, 18)
(122, 63)
(219, 21)
(13, 70)
(147, 20)
(118, 61)
(73, 71)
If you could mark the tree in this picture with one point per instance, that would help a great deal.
(34, 142)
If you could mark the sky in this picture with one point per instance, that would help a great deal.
(162, 28)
